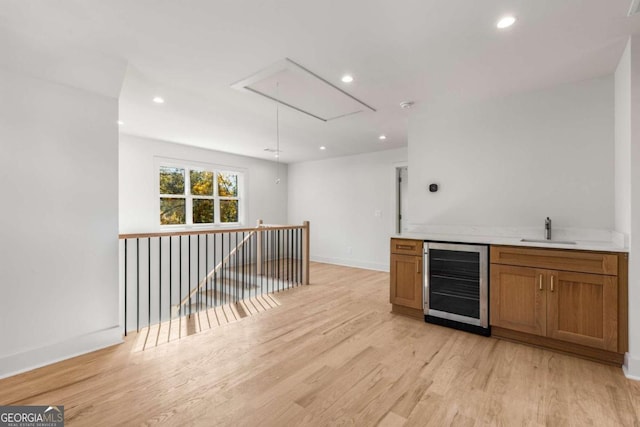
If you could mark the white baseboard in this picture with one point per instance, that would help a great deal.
(631, 367)
(352, 263)
(31, 359)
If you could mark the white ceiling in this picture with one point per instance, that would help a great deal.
(191, 51)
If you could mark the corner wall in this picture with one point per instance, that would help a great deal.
(350, 203)
(58, 222)
(627, 81)
(622, 149)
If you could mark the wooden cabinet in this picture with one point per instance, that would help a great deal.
(405, 290)
(517, 299)
(406, 280)
(583, 309)
(570, 299)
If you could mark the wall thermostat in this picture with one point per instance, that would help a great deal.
(433, 188)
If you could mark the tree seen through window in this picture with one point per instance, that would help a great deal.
(189, 196)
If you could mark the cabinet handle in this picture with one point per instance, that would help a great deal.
(540, 282)
(551, 283)
(410, 248)
(418, 267)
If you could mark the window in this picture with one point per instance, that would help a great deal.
(193, 195)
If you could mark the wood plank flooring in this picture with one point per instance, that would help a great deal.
(331, 354)
(202, 320)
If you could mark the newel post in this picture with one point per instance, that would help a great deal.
(305, 252)
(259, 248)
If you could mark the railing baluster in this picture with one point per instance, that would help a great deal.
(215, 275)
(180, 265)
(223, 275)
(238, 270)
(252, 271)
(125, 287)
(235, 255)
(189, 272)
(138, 284)
(206, 258)
(290, 250)
(298, 257)
(198, 275)
(170, 278)
(160, 279)
(149, 283)
(228, 291)
(265, 253)
(244, 277)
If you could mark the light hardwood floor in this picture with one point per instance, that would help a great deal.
(331, 354)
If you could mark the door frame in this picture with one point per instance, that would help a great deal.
(398, 195)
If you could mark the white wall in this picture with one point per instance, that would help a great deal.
(622, 187)
(341, 197)
(513, 161)
(58, 222)
(265, 199)
(633, 361)
(627, 80)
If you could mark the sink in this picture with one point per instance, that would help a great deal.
(553, 242)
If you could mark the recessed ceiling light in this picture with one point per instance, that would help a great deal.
(276, 155)
(347, 78)
(158, 100)
(382, 137)
(120, 122)
(506, 22)
(322, 147)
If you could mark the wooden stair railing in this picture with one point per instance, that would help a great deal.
(152, 268)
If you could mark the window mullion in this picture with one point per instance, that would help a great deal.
(216, 199)
(188, 196)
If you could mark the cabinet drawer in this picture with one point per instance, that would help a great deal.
(556, 259)
(406, 247)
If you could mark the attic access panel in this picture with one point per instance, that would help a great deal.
(290, 84)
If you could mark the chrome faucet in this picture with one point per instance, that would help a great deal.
(547, 228)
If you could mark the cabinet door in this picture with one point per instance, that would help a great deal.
(583, 309)
(518, 299)
(406, 281)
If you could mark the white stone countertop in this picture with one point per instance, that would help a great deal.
(588, 245)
